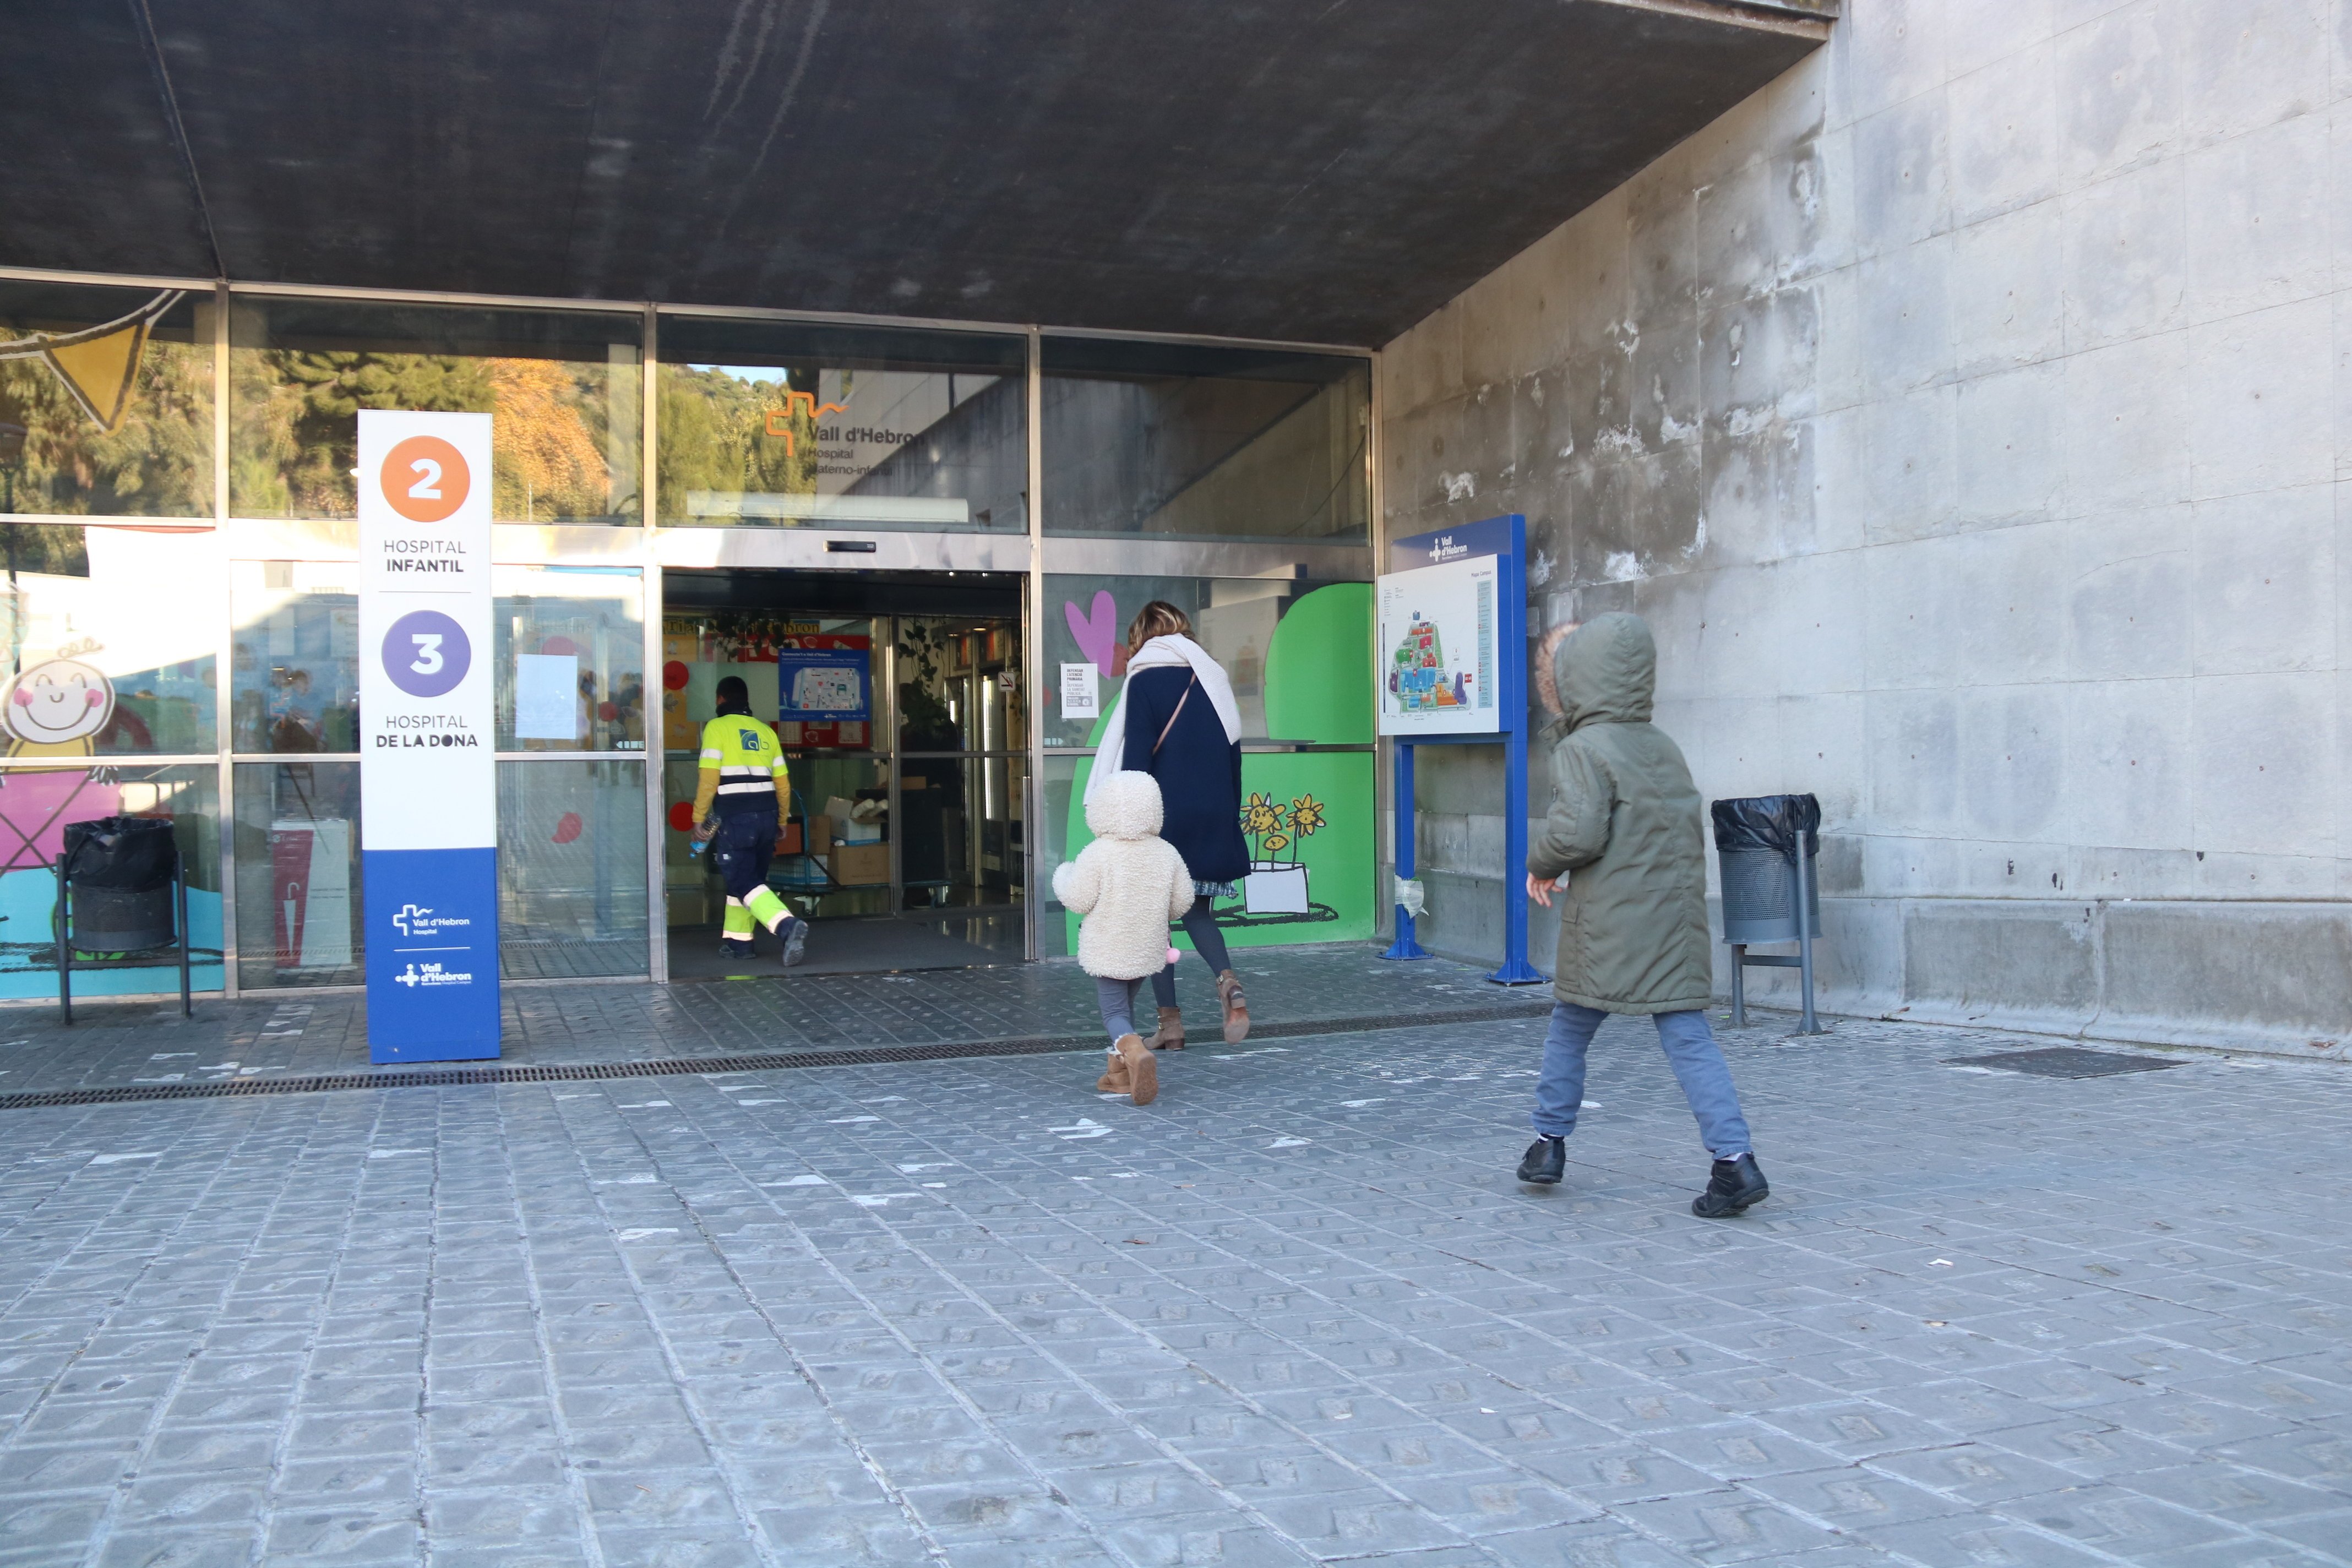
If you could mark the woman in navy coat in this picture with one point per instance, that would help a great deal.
(1183, 727)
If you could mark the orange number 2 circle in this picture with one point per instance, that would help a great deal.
(425, 479)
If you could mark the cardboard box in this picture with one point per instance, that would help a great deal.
(860, 865)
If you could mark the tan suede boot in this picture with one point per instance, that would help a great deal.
(1169, 1035)
(1229, 996)
(1142, 1071)
(1116, 1079)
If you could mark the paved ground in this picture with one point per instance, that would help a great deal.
(970, 1313)
(295, 1034)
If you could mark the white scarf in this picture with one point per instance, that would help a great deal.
(1169, 652)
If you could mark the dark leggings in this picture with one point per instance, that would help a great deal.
(1207, 940)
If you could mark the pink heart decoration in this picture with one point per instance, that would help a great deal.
(1098, 631)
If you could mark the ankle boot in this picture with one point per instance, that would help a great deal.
(1169, 1035)
(1115, 1079)
(1229, 997)
(1142, 1071)
(1733, 1185)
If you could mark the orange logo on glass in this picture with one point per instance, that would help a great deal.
(425, 479)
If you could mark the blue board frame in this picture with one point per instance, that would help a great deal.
(1504, 537)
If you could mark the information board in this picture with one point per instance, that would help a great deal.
(1439, 628)
(1450, 659)
(428, 770)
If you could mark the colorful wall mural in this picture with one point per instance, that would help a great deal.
(1309, 816)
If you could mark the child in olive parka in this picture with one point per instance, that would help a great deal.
(1624, 825)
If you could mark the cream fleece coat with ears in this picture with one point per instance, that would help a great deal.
(1128, 883)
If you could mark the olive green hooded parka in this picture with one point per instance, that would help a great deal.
(1625, 823)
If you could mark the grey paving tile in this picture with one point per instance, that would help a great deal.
(1366, 1345)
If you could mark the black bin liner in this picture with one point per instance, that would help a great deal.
(1768, 822)
(119, 869)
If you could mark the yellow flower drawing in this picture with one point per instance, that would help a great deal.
(1261, 816)
(1305, 816)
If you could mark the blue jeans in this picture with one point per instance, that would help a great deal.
(1690, 1049)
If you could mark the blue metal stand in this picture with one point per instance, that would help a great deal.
(1516, 969)
(1404, 947)
(1504, 537)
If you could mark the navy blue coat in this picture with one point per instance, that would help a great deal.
(1198, 771)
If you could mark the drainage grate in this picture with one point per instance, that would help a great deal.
(875, 1056)
(2066, 1062)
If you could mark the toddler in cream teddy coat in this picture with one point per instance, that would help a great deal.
(1127, 885)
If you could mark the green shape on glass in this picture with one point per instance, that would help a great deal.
(1311, 883)
(1319, 669)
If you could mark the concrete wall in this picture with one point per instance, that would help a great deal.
(1970, 413)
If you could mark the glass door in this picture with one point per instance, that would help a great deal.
(904, 841)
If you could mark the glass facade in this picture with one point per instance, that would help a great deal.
(565, 387)
(1180, 441)
(1300, 656)
(175, 491)
(294, 656)
(298, 874)
(572, 867)
(570, 658)
(100, 662)
(106, 401)
(788, 425)
(36, 802)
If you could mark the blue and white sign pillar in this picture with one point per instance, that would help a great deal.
(1452, 617)
(428, 769)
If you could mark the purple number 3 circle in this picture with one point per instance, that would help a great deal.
(426, 653)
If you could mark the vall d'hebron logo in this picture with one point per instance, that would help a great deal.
(1446, 550)
(418, 920)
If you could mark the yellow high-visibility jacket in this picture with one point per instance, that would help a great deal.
(743, 769)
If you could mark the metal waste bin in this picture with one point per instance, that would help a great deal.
(120, 891)
(1766, 846)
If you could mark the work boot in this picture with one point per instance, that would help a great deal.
(1116, 1079)
(737, 947)
(1142, 1071)
(793, 934)
(1169, 1035)
(1229, 997)
(1544, 1162)
(1731, 1188)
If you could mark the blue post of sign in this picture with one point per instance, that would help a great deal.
(1405, 946)
(1457, 590)
(1516, 969)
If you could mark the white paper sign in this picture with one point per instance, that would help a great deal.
(1080, 697)
(547, 697)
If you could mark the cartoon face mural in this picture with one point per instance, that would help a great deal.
(57, 708)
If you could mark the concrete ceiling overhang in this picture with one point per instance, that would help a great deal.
(1329, 171)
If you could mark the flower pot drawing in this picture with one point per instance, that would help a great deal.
(1275, 888)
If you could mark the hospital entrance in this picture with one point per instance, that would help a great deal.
(897, 698)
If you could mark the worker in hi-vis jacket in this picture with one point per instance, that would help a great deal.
(739, 796)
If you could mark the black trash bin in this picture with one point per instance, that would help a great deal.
(1765, 846)
(120, 892)
(121, 869)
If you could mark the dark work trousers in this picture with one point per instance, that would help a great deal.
(1207, 940)
(743, 849)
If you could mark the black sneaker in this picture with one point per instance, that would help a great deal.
(794, 932)
(1731, 1188)
(1541, 1165)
